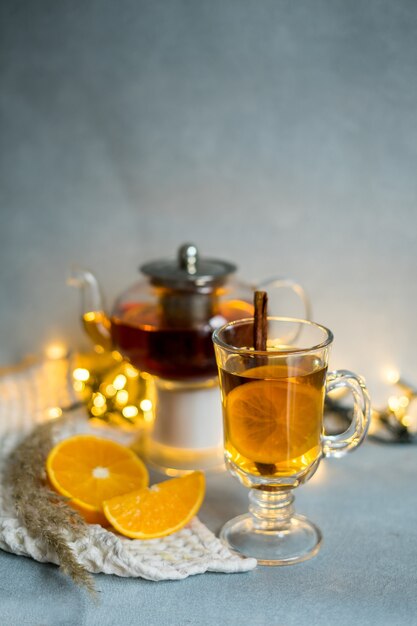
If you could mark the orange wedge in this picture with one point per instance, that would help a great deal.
(272, 421)
(89, 470)
(159, 510)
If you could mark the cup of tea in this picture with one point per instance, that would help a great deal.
(274, 437)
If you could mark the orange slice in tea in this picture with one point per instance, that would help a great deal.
(89, 470)
(159, 510)
(273, 421)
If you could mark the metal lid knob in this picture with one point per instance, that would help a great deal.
(188, 258)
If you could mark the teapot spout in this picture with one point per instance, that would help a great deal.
(95, 321)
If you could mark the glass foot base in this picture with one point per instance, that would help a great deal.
(296, 541)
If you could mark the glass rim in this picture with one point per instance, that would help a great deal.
(236, 350)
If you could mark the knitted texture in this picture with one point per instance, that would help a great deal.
(26, 396)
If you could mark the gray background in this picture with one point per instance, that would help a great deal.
(279, 134)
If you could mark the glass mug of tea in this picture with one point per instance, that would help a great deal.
(274, 438)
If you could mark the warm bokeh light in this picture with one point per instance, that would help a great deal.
(146, 405)
(396, 403)
(391, 375)
(81, 373)
(393, 403)
(130, 411)
(99, 400)
(54, 412)
(56, 350)
(120, 381)
(110, 391)
(122, 397)
(98, 410)
(403, 401)
(131, 372)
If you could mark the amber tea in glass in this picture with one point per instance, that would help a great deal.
(274, 439)
(273, 416)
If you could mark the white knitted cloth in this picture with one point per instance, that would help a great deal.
(25, 398)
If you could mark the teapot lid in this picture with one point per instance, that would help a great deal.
(188, 270)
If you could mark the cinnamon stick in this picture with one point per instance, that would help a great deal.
(260, 335)
(260, 326)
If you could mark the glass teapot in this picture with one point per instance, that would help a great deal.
(163, 325)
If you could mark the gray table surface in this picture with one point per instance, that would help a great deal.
(365, 573)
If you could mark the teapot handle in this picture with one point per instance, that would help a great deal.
(287, 283)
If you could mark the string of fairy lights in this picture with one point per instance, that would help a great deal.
(112, 390)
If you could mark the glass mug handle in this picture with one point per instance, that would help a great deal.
(287, 283)
(338, 445)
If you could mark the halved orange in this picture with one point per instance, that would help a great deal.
(89, 470)
(273, 421)
(159, 510)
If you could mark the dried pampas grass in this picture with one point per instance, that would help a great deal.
(43, 512)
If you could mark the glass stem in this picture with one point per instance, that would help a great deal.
(271, 510)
